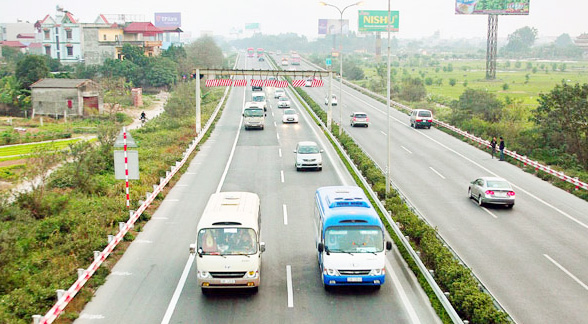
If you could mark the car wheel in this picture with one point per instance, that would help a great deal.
(510, 206)
(366, 125)
(480, 203)
(470, 193)
(429, 127)
(320, 169)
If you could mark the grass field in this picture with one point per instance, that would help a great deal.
(523, 83)
(18, 151)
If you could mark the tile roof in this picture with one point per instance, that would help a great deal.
(13, 44)
(59, 83)
(145, 28)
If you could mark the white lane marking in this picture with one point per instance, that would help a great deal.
(275, 125)
(439, 174)
(285, 209)
(180, 185)
(172, 304)
(278, 136)
(383, 133)
(486, 170)
(121, 273)
(190, 173)
(159, 217)
(280, 152)
(171, 200)
(407, 150)
(92, 316)
(483, 208)
(290, 290)
(176, 296)
(401, 293)
(566, 272)
(142, 241)
(282, 175)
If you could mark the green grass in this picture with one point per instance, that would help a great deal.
(26, 149)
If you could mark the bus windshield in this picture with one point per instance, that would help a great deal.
(257, 112)
(354, 239)
(227, 241)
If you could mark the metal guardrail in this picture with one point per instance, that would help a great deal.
(65, 297)
(423, 269)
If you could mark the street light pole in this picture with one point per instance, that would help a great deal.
(339, 102)
(389, 140)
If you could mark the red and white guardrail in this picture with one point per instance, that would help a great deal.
(526, 161)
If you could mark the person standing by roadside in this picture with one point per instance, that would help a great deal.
(493, 146)
(501, 148)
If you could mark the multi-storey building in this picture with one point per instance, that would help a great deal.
(61, 37)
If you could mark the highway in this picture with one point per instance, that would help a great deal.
(533, 258)
(155, 280)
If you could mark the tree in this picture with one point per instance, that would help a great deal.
(562, 119)
(12, 94)
(521, 40)
(563, 40)
(161, 72)
(204, 53)
(413, 89)
(480, 103)
(31, 69)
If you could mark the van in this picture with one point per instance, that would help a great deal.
(259, 96)
(421, 118)
(228, 247)
(253, 115)
(349, 238)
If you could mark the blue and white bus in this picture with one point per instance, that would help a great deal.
(349, 238)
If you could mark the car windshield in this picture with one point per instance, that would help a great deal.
(424, 113)
(258, 98)
(497, 184)
(227, 241)
(354, 239)
(290, 112)
(257, 112)
(283, 99)
(308, 149)
(360, 115)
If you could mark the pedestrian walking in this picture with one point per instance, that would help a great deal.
(501, 148)
(493, 146)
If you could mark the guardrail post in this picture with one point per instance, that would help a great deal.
(161, 180)
(36, 319)
(432, 272)
(60, 293)
(110, 238)
(121, 226)
(96, 255)
(81, 272)
(166, 174)
(132, 212)
(154, 188)
(147, 195)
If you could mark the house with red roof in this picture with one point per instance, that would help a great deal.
(61, 37)
(144, 34)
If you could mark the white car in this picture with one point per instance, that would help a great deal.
(308, 82)
(359, 118)
(308, 156)
(279, 93)
(333, 100)
(283, 102)
(290, 116)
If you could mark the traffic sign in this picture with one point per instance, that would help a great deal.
(328, 61)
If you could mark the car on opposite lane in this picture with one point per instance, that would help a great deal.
(290, 116)
(333, 100)
(308, 156)
(492, 190)
(359, 118)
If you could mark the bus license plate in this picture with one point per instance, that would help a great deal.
(354, 279)
(228, 281)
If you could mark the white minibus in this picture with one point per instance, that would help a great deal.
(228, 246)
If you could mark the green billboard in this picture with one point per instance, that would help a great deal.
(377, 20)
(492, 7)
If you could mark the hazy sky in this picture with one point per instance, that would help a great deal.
(417, 18)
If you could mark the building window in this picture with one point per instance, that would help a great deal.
(104, 37)
(46, 34)
(48, 50)
(68, 34)
(69, 50)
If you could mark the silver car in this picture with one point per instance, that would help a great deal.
(492, 190)
(308, 156)
(359, 119)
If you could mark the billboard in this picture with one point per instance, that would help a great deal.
(377, 20)
(332, 26)
(168, 19)
(250, 26)
(492, 7)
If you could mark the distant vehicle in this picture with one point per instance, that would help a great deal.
(492, 190)
(290, 116)
(421, 118)
(333, 100)
(283, 102)
(349, 238)
(250, 52)
(308, 82)
(284, 61)
(295, 59)
(359, 119)
(259, 96)
(260, 52)
(280, 92)
(253, 115)
(308, 156)
(256, 88)
(228, 246)
(278, 52)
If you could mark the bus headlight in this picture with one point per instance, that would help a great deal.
(204, 274)
(251, 274)
(377, 272)
(331, 272)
